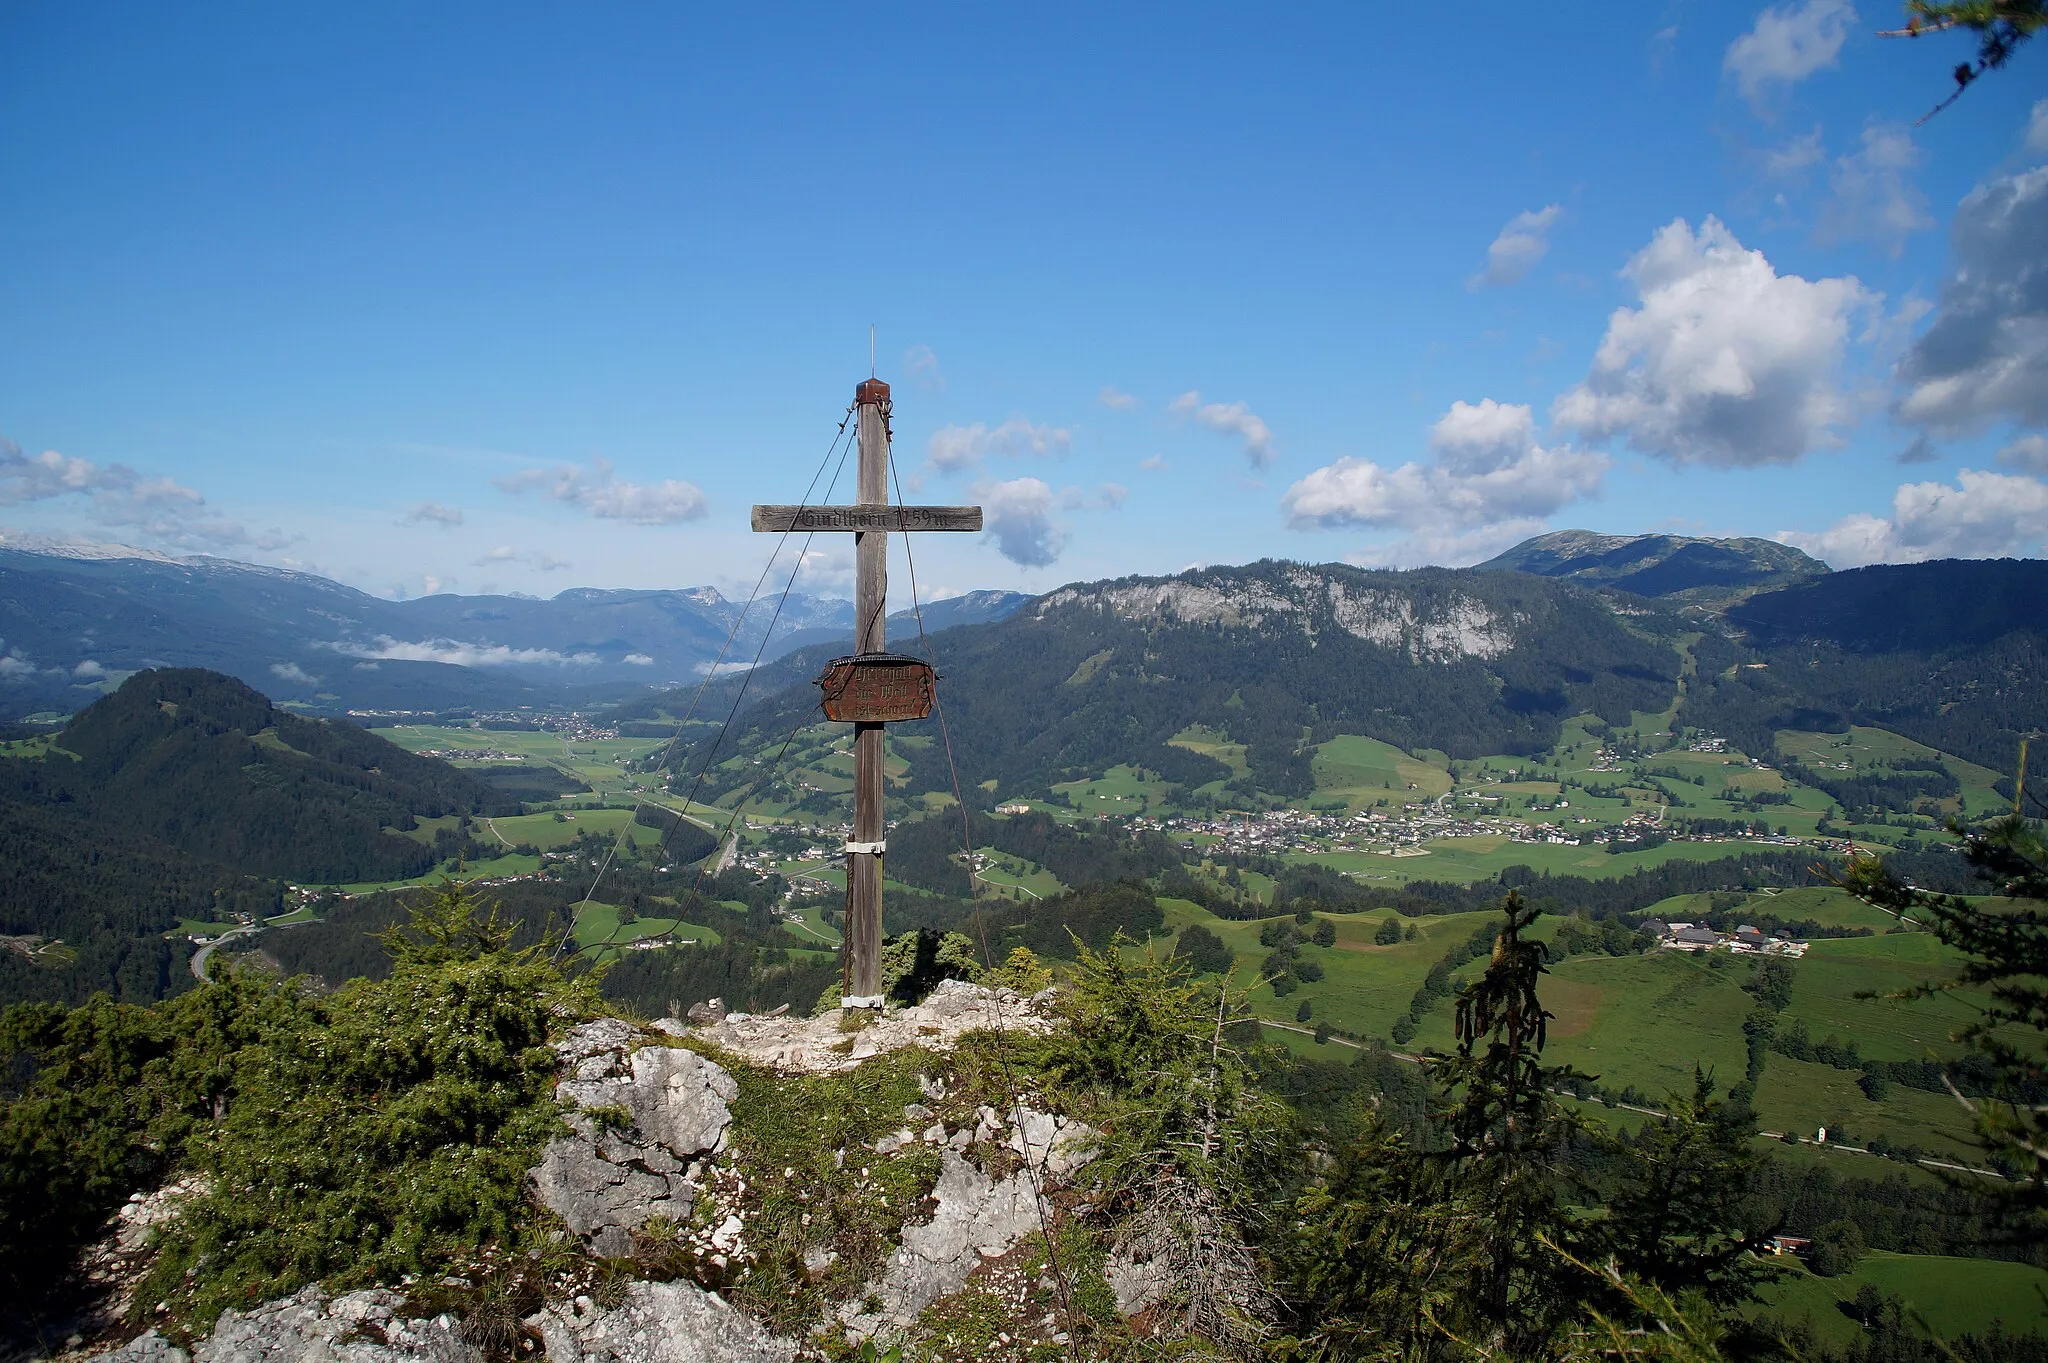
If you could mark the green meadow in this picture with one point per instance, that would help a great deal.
(1949, 1296)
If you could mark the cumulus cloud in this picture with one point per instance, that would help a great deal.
(1108, 497)
(539, 560)
(600, 492)
(921, 367)
(1232, 419)
(1726, 362)
(433, 513)
(2037, 127)
(292, 672)
(1117, 401)
(1985, 357)
(959, 447)
(1018, 514)
(459, 653)
(2029, 454)
(1985, 515)
(1786, 45)
(1489, 471)
(638, 659)
(1454, 549)
(1796, 157)
(14, 667)
(1522, 243)
(1154, 464)
(1870, 194)
(89, 669)
(158, 507)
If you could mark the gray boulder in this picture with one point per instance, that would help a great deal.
(643, 1116)
(361, 1327)
(977, 1218)
(659, 1323)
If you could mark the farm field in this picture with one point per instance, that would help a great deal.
(595, 762)
(599, 934)
(1953, 1296)
(1643, 1022)
(1365, 771)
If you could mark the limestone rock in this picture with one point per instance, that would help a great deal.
(977, 1218)
(361, 1327)
(657, 1323)
(818, 1046)
(658, 1107)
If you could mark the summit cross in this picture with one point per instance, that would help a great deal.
(873, 686)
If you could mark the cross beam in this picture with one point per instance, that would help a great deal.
(870, 520)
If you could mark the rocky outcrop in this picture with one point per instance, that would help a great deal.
(643, 1116)
(1440, 625)
(659, 1323)
(819, 1046)
(361, 1327)
(656, 1323)
(976, 1218)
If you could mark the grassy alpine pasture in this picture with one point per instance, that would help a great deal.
(596, 762)
(601, 937)
(1950, 1296)
(1645, 1021)
(1365, 771)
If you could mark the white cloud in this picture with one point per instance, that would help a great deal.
(1232, 419)
(539, 560)
(959, 447)
(89, 668)
(1985, 515)
(638, 659)
(1796, 157)
(458, 652)
(1522, 243)
(1450, 549)
(921, 367)
(1118, 401)
(13, 666)
(1154, 464)
(1108, 497)
(601, 493)
(1490, 479)
(1870, 195)
(1726, 363)
(433, 513)
(2029, 454)
(1985, 357)
(1787, 45)
(158, 507)
(292, 672)
(2037, 127)
(1018, 514)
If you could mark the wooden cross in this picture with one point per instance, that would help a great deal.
(870, 687)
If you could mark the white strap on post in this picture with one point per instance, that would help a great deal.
(873, 849)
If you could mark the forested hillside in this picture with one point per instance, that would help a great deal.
(1279, 657)
(211, 767)
(187, 796)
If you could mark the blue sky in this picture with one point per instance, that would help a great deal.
(515, 298)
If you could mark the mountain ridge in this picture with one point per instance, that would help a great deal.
(1682, 567)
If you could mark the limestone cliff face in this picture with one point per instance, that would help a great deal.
(1428, 617)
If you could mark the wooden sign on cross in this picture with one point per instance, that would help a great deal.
(870, 520)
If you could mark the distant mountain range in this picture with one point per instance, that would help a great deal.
(1281, 657)
(73, 619)
(1673, 566)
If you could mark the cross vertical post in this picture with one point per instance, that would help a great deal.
(873, 687)
(863, 925)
